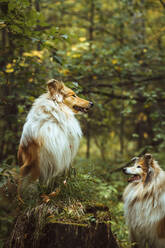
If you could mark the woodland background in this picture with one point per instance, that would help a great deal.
(109, 51)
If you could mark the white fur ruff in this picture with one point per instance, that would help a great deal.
(57, 132)
(144, 208)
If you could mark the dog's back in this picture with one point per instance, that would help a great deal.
(144, 204)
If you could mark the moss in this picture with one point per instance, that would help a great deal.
(67, 223)
(77, 212)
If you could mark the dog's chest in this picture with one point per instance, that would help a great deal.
(72, 131)
(67, 133)
(142, 208)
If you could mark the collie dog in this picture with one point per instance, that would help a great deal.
(144, 203)
(51, 133)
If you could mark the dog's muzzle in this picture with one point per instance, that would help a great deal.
(81, 109)
(124, 170)
(133, 177)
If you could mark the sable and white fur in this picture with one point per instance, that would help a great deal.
(51, 134)
(144, 203)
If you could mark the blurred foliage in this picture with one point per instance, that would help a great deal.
(111, 52)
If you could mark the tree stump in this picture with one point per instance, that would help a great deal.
(37, 229)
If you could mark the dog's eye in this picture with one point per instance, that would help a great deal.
(138, 166)
(74, 95)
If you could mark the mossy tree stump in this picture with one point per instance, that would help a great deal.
(39, 228)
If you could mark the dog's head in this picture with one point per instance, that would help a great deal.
(62, 94)
(141, 170)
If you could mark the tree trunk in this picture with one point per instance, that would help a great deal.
(37, 7)
(122, 131)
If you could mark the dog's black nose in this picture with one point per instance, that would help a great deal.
(124, 170)
(91, 104)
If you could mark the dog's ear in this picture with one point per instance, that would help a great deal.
(148, 159)
(54, 87)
